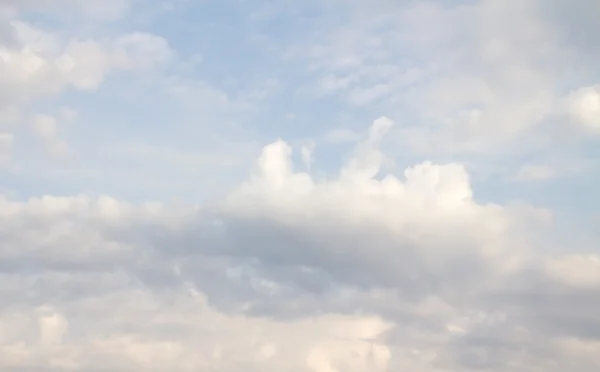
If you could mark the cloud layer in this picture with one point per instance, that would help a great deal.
(437, 238)
(362, 272)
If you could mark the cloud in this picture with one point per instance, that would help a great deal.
(480, 77)
(536, 172)
(362, 272)
(79, 241)
(584, 108)
(42, 65)
(359, 268)
(38, 65)
(318, 344)
(433, 201)
(46, 128)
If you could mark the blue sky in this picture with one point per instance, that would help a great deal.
(242, 74)
(455, 132)
(246, 73)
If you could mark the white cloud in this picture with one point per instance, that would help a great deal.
(313, 344)
(358, 271)
(46, 128)
(38, 64)
(43, 66)
(584, 108)
(481, 76)
(536, 172)
(355, 274)
(434, 201)
(576, 270)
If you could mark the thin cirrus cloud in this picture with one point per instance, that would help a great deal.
(319, 249)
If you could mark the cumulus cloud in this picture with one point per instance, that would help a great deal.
(361, 272)
(55, 316)
(426, 223)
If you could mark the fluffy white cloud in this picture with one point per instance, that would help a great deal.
(363, 272)
(43, 65)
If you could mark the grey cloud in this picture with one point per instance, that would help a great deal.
(255, 274)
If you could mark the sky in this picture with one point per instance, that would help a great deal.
(299, 186)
